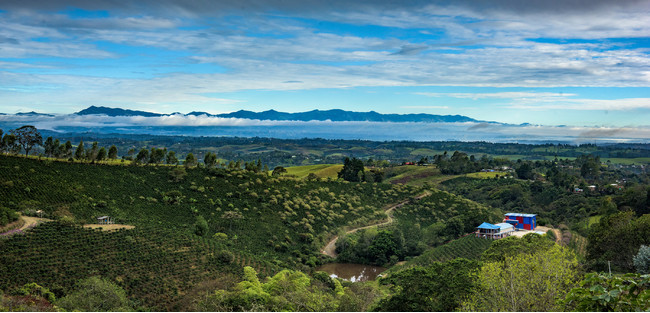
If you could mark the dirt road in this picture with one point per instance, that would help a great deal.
(32, 221)
(330, 247)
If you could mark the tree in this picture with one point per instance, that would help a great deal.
(286, 291)
(524, 282)
(56, 149)
(95, 294)
(9, 143)
(604, 293)
(66, 150)
(142, 157)
(190, 160)
(101, 154)
(511, 246)
(642, 260)
(80, 152)
(353, 170)
(201, 226)
(112, 152)
(91, 154)
(438, 287)
(607, 206)
(171, 158)
(525, 171)
(49, 146)
(7, 216)
(27, 137)
(210, 160)
(278, 170)
(157, 156)
(617, 239)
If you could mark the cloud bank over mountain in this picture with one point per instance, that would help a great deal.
(205, 125)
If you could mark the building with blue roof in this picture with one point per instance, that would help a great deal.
(494, 231)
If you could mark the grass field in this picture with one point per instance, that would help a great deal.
(419, 175)
(321, 170)
(485, 175)
(411, 175)
(626, 161)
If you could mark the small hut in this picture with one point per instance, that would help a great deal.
(103, 220)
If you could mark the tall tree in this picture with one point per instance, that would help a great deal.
(80, 152)
(143, 156)
(56, 149)
(190, 160)
(27, 137)
(171, 158)
(49, 146)
(91, 154)
(9, 143)
(66, 150)
(157, 155)
(101, 154)
(112, 152)
(210, 159)
(353, 170)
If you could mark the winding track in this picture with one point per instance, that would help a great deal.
(330, 248)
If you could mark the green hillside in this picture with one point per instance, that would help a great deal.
(264, 222)
(468, 247)
(155, 267)
(320, 170)
(282, 218)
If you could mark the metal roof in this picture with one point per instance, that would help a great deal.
(102, 217)
(521, 214)
(488, 226)
(504, 225)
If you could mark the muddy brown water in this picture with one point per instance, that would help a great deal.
(352, 272)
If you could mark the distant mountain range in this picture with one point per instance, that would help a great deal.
(315, 115)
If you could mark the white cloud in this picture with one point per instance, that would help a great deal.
(497, 95)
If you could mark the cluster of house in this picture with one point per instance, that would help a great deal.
(594, 187)
(511, 222)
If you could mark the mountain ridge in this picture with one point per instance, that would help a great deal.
(336, 115)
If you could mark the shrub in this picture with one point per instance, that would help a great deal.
(224, 257)
(95, 294)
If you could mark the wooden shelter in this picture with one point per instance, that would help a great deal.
(103, 220)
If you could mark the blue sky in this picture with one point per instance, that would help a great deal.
(542, 62)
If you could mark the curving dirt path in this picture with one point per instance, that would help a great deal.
(330, 247)
(31, 221)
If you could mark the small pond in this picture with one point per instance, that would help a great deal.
(352, 272)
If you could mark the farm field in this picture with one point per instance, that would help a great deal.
(320, 170)
(469, 247)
